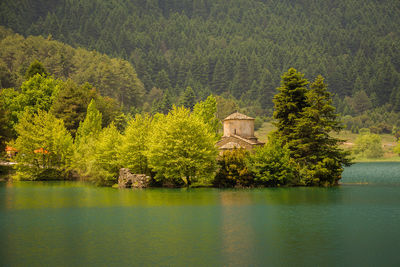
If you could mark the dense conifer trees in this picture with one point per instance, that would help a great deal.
(221, 46)
(305, 120)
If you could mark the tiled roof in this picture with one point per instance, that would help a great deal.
(238, 116)
(230, 145)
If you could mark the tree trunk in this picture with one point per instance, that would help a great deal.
(188, 181)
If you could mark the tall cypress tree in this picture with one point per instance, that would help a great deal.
(317, 152)
(289, 103)
(304, 120)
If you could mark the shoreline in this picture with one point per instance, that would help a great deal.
(394, 159)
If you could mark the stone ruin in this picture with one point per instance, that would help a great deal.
(128, 180)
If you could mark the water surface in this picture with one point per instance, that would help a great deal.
(75, 224)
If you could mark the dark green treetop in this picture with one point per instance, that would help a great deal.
(188, 98)
(35, 68)
(289, 102)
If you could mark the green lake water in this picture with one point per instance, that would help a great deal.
(75, 224)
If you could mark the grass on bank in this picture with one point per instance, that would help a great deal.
(388, 142)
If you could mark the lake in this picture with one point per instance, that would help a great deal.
(75, 224)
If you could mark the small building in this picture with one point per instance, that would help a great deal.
(11, 152)
(238, 133)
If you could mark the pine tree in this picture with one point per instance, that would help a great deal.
(162, 80)
(361, 102)
(289, 103)
(164, 105)
(71, 104)
(242, 81)
(314, 148)
(305, 119)
(220, 78)
(188, 98)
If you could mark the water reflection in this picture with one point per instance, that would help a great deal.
(75, 224)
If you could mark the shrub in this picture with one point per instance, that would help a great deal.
(271, 164)
(233, 169)
(368, 146)
(258, 122)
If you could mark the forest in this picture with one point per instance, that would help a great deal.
(235, 48)
(150, 58)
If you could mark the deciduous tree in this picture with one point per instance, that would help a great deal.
(181, 148)
(44, 146)
(135, 143)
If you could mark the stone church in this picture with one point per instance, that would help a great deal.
(238, 133)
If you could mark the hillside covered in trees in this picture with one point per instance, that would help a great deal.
(112, 77)
(239, 47)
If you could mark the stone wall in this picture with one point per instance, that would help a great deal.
(128, 180)
(243, 128)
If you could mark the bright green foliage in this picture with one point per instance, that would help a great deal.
(397, 149)
(368, 146)
(181, 148)
(104, 165)
(271, 165)
(207, 111)
(8, 103)
(111, 77)
(5, 127)
(86, 139)
(396, 132)
(36, 93)
(134, 145)
(188, 98)
(35, 68)
(91, 126)
(44, 146)
(233, 169)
